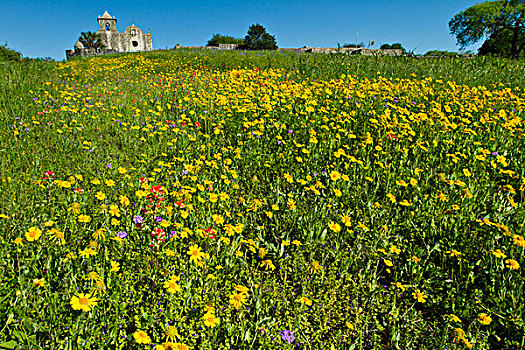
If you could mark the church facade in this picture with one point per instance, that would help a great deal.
(133, 39)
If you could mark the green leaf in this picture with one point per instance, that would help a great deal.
(9, 345)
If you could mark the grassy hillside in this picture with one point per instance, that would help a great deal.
(232, 200)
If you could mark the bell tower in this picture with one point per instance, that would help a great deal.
(107, 28)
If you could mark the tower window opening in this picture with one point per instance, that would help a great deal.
(108, 26)
(135, 43)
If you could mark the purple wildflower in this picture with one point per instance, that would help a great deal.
(122, 234)
(287, 336)
(138, 219)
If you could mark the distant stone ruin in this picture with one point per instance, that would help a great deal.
(133, 39)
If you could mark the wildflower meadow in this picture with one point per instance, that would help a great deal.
(243, 200)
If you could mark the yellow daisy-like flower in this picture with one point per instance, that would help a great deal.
(33, 234)
(316, 267)
(459, 334)
(171, 333)
(173, 346)
(210, 320)
(141, 193)
(99, 234)
(335, 175)
(419, 296)
(262, 252)
(172, 286)
(75, 208)
(346, 220)
(83, 302)
(141, 337)
(19, 241)
(498, 253)
(512, 264)
(394, 249)
(115, 266)
(100, 195)
(57, 235)
(114, 210)
(218, 219)
(399, 285)
(39, 282)
(455, 253)
(84, 218)
(519, 240)
(334, 226)
(485, 319)
(454, 318)
(195, 253)
(391, 197)
(124, 200)
(237, 300)
(241, 288)
(93, 277)
(305, 301)
(86, 253)
(268, 264)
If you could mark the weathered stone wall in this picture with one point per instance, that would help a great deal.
(88, 52)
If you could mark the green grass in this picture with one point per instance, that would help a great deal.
(380, 190)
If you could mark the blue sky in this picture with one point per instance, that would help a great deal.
(46, 28)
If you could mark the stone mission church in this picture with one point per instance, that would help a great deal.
(133, 39)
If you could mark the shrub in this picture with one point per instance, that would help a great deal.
(441, 53)
(7, 54)
(217, 39)
(394, 46)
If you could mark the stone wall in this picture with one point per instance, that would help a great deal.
(229, 47)
(88, 52)
(345, 50)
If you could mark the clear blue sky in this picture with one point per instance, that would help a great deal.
(42, 28)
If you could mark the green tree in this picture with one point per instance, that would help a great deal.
(395, 46)
(217, 39)
(489, 18)
(7, 54)
(258, 39)
(499, 44)
(361, 44)
(91, 40)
